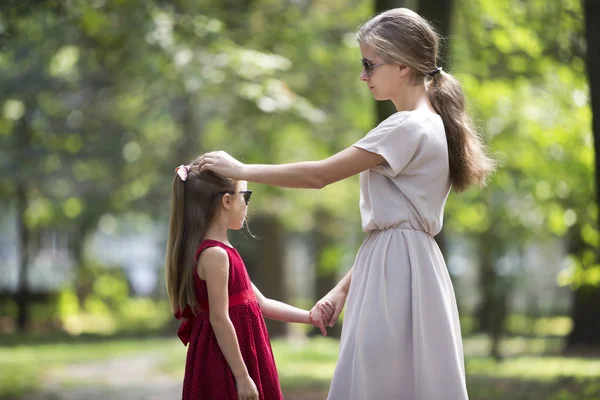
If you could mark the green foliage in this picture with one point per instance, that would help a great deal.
(110, 308)
(99, 101)
(523, 325)
(522, 69)
(542, 327)
(117, 97)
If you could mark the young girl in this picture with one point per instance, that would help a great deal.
(229, 354)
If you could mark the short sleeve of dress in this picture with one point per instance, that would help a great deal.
(395, 140)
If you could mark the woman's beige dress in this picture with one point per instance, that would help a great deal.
(401, 334)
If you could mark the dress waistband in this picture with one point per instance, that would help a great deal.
(402, 228)
(185, 329)
(247, 296)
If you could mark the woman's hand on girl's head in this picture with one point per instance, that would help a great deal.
(222, 163)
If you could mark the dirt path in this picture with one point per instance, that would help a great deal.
(135, 377)
(132, 378)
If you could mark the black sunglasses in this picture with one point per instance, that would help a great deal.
(368, 67)
(247, 194)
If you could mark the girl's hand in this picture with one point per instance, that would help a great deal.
(223, 164)
(246, 388)
(320, 315)
(327, 309)
(336, 298)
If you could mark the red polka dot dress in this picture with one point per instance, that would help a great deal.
(207, 373)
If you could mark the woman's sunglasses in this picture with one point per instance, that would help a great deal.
(368, 67)
(246, 193)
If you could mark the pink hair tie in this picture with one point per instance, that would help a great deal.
(183, 171)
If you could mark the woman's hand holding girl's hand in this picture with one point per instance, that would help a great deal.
(336, 298)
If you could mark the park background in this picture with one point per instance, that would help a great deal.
(101, 99)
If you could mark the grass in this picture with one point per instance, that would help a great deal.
(306, 363)
(534, 378)
(533, 368)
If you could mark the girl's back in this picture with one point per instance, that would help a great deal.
(207, 373)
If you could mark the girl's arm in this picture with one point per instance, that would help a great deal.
(309, 174)
(279, 311)
(214, 262)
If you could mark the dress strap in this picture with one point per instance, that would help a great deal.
(210, 243)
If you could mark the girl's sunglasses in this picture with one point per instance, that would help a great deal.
(246, 193)
(368, 67)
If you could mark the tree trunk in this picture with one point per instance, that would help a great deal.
(592, 23)
(269, 270)
(439, 13)
(189, 146)
(487, 282)
(586, 298)
(23, 293)
(386, 108)
(325, 238)
(84, 281)
(23, 147)
(585, 312)
(493, 306)
(586, 319)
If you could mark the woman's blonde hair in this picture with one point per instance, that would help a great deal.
(402, 36)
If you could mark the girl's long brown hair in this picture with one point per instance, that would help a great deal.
(193, 206)
(402, 36)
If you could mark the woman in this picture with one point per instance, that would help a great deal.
(401, 335)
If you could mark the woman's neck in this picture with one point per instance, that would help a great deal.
(413, 98)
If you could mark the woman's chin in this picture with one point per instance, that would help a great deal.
(377, 97)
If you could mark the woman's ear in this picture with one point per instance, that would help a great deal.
(403, 70)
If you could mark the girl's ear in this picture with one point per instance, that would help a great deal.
(226, 201)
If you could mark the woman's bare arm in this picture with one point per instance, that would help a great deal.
(308, 174)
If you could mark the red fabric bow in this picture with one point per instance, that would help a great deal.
(185, 329)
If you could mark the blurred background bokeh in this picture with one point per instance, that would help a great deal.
(101, 99)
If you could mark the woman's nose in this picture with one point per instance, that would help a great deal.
(363, 75)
